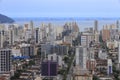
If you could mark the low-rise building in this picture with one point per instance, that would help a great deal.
(16, 52)
(101, 66)
(112, 44)
(54, 57)
(27, 50)
(81, 74)
(102, 54)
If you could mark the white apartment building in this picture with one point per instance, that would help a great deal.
(81, 57)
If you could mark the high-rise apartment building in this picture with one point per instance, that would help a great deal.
(81, 57)
(86, 38)
(27, 50)
(96, 26)
(11, 37)
(105, 33)
(117, 24)
(37, 36)
(56, 58)
(96, 33)
(119, 54)
(32, 28)
(1, 39)
(96, 37)
(5, 60)
(58, 32)
(14, 34)
(2, 35)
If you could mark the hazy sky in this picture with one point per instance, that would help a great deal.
(60, 8)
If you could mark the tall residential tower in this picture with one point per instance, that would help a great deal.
(96, 26)
(5, 60)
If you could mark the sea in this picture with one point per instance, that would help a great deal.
(82, 22)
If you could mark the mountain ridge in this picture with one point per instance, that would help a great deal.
(5, 19)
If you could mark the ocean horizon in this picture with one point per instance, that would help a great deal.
(63, 18)
(82, 22)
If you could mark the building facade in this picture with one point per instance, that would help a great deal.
(81, 57)
(5, 60)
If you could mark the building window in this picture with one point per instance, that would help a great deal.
(51, 58)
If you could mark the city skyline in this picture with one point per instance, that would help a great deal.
(60, 8)
(59, 40)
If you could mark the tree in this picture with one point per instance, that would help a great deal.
(95, 77)
(66, 59)
(31, 63)
(62, 72)
(39, 52)
(17, 75)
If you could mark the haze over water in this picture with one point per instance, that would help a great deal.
(82, 22)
